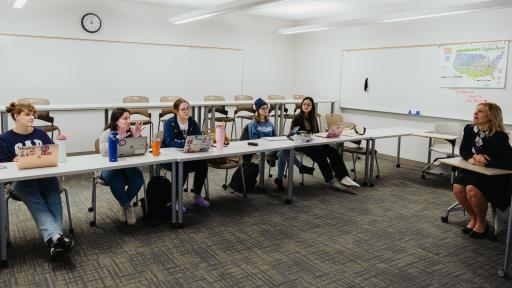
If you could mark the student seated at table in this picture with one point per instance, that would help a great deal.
(328, 158)
(176, 130)
(260, 127)
(118, 179)
(485, 143)
(42, 196)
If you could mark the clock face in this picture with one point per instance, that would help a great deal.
(91, 23)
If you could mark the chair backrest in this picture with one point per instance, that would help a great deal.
(245, 133)
(298, 97)
(275, 97)
(218, 108)
(138, 99)
(41, 115)
(167, 99)
(448, 128)
(244, 107)
(332, 119)
(97, 146)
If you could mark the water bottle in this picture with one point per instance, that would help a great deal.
(112, 147)
(219, 135)
(61, 141)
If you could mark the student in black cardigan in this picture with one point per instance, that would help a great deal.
(485, 143)
(328, 158)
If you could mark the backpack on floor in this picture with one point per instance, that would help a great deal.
(250, 171)
(157, 201)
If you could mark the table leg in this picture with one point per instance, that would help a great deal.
(173, 195)
(179, 190)
(262, 171)
(199, 115)
(3, 228)
(372, 161)
(205, 116)
(106, 117)
(504, 272)
(276, 122)
(366, 182)
(290, 177)
(281, 120)
(212, 120)
(429, 151)
(332, 107)
(5, 127)
(398, 152)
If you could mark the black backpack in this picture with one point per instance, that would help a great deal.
(158, 201)
(251, 172)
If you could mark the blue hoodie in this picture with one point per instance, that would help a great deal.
(261, 129)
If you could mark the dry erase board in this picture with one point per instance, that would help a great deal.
(79, 71)
(403, 79)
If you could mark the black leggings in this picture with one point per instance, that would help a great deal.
(200, 168)
(320, 154)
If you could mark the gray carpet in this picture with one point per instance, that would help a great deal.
(387, 236)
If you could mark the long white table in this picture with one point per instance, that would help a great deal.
(203, 107)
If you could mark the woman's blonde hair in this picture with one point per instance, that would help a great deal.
(493, 112)
(16, 108)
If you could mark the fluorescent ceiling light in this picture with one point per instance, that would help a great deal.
(295, 30)
(19, 4)
(217, 10)
(427, 16)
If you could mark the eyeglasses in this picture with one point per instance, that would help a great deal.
(186, 109)
(360, 130)
(264, 107)
(307, 104)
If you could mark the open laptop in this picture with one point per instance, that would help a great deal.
(132, 146)
(38, 156)
(197, 143)
(334, 131)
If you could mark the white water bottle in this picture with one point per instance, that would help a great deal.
(61, 141)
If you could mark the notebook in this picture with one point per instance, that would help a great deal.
(197, 143)
(132, 146)
(38, 156)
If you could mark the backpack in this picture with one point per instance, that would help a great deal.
(250, 171)
(158, 201)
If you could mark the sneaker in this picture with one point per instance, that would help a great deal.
(130, 215)
(56, 249)
(279, 183)
(122, 214)
(66, 242)
(201, 202)
(347, 181)
(335, 185)
(303, 169)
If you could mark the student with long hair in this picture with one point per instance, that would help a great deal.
(41, 196)
(176, 130)
(328, 158)
(118, 179)
(485, 143)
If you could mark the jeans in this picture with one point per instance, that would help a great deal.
(42, 198)
(282, 157)
(328, 159)
(119, 178)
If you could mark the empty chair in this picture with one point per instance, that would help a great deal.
(166, 111)
(140, 111)
(221, 109)
(42, 115)
(249, 108)
(447, 148)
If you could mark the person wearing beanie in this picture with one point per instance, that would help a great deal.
(260, 127)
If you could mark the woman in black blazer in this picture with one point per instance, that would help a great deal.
(485, 143)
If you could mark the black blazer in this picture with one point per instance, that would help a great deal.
(497, 147)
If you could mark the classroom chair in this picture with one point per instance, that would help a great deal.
(449, 150)
(221, 109)
(166, 111)
(244, 108)
(10, 195)
(44, 116)
(96, 179)
(144, 112)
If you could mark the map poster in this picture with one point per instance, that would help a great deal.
(479, 65)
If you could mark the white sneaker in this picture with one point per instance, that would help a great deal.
(335, 185)
(122, 214)
(347, 181)
(130, 216)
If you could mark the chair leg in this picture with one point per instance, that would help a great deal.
(71, 229)
(243, 178)
(354, 160)
(378, 169)
(7, 219)
(236, 132)
(225, 180)
(302, 163)
(207, 188)
(93, 222)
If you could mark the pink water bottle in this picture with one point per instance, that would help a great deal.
(219, 135)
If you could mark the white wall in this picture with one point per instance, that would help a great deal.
(318, 62)
(267, 58)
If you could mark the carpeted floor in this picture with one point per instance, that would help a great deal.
(387, 236)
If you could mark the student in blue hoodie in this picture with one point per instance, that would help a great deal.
(41, 196)
(260, 127)
(176, 130)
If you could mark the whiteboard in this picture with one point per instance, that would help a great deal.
(74, 71)
(403, 79)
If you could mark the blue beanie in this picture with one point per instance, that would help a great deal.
(259, 102)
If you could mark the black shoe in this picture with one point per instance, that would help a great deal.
(303, 169)
(67, 243)
(484, 234)
(279, 183)
(466, 230)
(56, 249)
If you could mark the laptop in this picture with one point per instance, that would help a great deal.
(197, 143)
(132, 146)
(334, 131)
(38, 156)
